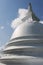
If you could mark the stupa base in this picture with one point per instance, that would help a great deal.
(22, 61)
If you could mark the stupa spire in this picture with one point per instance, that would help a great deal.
(30, 14)
(30, 7)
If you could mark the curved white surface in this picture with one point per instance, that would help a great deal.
(23, 47)
(28, 29)
(23, 60)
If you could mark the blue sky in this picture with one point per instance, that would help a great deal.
(9, 11)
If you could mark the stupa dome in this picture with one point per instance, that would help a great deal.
(30, 25)
(28, 29)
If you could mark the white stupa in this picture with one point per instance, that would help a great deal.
(26, 44)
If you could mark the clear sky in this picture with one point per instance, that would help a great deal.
(9, 11)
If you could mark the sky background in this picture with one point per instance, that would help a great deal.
(9, 11)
